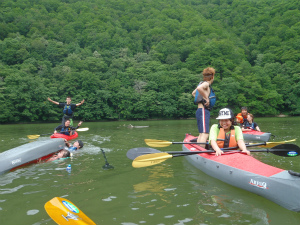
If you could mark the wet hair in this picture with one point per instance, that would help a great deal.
(66, 153)
(80, 143)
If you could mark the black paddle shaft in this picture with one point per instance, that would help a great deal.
(106, 166)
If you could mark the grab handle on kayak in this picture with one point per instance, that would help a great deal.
(294, 173)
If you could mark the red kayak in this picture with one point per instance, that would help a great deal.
(246, 172)
(67, 137)
(255, 135)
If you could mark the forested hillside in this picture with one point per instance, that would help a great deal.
(141, 59)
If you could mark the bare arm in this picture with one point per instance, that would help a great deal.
(257, 128)
(203, 90)
(245, 129)
(242, 146)
(80, 103)
(67, 143)
(194, 92)
(79, 124)
(57, 103)
(215, 147)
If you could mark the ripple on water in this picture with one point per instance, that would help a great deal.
(182, 222)
(32, 212)
(110, 198)
(99, 139)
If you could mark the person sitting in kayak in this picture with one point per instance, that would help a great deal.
(61, 154)
(227, 131)
(250, 125)
(76, 146)
(242, 116)
(68, 109)
(66, 128)
(205, 99)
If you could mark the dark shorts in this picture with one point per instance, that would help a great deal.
(203, 116)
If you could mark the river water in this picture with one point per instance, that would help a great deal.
(173, 192)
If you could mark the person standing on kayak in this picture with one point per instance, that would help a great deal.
(68, 109)
(242, 116)
(205, 98)
(66, 129)
(250, 125)
(225, 130)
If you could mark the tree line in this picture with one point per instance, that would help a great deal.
(133, 59)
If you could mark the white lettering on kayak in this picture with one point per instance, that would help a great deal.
(258, 184)
(16, 161)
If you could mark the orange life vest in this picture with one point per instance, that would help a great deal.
(229, 140)
(241, 118)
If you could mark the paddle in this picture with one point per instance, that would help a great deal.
(162, 143)
(272, 144)
(64, 212)
(148, 158)
(35, 136)
(280, 150)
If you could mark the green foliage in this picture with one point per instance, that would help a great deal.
(134, 59)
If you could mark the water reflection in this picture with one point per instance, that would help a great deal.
(173, 192)
(156, 182)
(220, 203)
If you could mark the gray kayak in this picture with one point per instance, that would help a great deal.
(27, 153)
(256, 136)
(246, 172)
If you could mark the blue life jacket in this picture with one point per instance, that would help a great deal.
(71, 149)
(212, 98)
(65, 131)
(67, 110)
(247, 125)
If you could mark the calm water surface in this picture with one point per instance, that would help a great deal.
(173, 192)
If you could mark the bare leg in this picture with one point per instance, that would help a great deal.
(202, 138)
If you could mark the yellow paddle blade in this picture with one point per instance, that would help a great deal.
(273, 144)
(150, 159)
(64, 212)
(33, 136)
(157, 143)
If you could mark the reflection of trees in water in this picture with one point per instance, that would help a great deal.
(156, 182)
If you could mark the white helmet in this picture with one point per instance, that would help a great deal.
(225, 113)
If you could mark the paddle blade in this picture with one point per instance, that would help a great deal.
(83, 129)
(273, 144)
(33, 136)
(150, 159)
(286, 150)
(135, 152)
(157, 143)
(64, 212)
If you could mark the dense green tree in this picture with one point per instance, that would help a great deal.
(142, 59)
